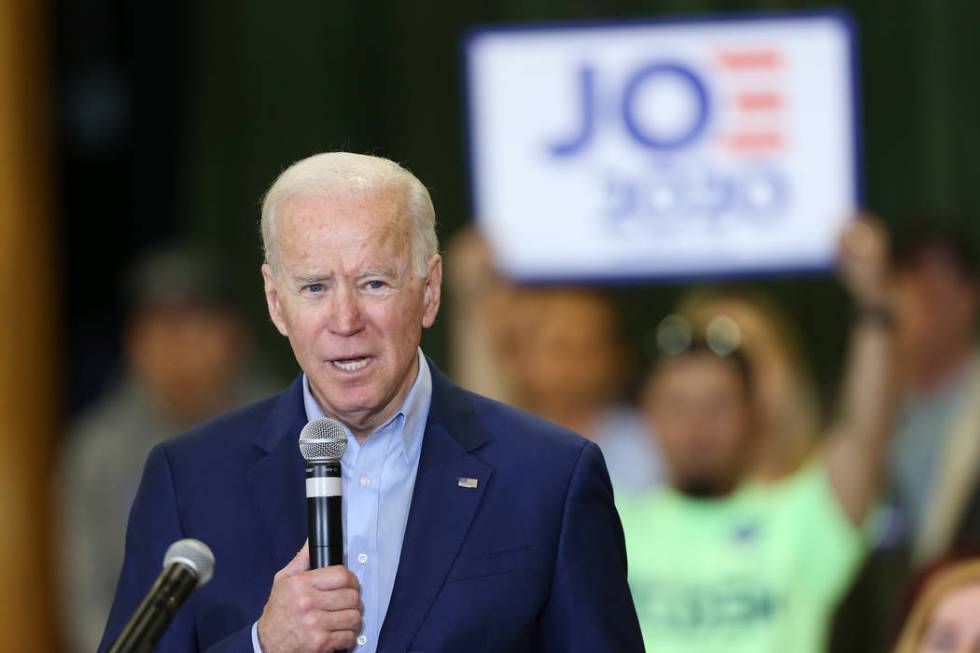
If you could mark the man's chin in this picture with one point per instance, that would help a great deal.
(344, 401)
(351, 409)
(705, 486)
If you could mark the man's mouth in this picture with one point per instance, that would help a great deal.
(351, 364)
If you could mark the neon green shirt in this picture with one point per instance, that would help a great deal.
(759, 571)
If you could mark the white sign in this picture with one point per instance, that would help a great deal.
(670, 149)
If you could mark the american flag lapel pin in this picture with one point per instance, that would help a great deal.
(469, 483)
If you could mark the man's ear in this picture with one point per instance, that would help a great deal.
(432, 293)
(272, 299)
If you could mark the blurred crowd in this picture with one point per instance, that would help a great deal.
(755, 520)
(187, 350)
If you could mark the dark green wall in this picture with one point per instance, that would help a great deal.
(274, 82)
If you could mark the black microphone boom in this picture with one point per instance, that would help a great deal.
(187, 564)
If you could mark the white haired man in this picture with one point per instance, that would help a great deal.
(469, 526)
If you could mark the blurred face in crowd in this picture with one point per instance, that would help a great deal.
(937, 311)
(775, 381)
(349, 298)
(568, 353)
(954, 626)
(698, 406)
(187, 357)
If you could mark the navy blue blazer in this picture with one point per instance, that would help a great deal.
(532, 559)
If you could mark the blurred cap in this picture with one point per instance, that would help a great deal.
(178, 275)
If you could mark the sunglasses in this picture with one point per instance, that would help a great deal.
(675, 337)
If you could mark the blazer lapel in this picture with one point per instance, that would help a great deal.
(275, 481)
(440, 513)
(950, 495)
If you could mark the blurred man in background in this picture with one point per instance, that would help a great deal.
(932, 501)
(783, 389)
(571, 369)
(186, 352)
(936, 458)
(557, 352)
(717, 564)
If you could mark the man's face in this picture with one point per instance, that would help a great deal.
(570, 355)
(187, 357)
(699, 410)
(937, 310)
(775, 379)
(351, 302)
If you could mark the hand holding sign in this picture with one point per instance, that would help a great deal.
(863, 262)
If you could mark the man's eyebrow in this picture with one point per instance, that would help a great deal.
(379, 272)
(312, 278)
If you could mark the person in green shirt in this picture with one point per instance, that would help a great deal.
(718, 562)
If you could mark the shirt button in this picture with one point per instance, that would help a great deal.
(362, 558)
(365, 481)
(362, 640)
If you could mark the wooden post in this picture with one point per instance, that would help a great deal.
(29, 397)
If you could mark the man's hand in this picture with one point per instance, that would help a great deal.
(315, 611)
(863, 262)
(470, 271)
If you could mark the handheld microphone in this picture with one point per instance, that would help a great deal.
(322, 443)
(186, 565)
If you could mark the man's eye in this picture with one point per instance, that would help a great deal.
(315, 287)
(376, 284)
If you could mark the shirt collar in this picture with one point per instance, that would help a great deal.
(410, 418)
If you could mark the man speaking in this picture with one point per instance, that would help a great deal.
(469, 526)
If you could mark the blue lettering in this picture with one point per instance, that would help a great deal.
(699, 118)
(587, 121)
(669, 195)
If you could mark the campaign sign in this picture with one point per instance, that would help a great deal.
(664, 149)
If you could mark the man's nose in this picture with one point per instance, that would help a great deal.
(345, 314)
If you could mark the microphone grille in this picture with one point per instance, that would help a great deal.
(194, 554)
(323, 440)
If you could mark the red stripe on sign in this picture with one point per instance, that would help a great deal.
(754, 141)
(745, 59)
(759, 101)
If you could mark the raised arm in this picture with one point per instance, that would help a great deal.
(858, 439)
(481, 300)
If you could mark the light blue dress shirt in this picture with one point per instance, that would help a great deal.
(379, 479)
